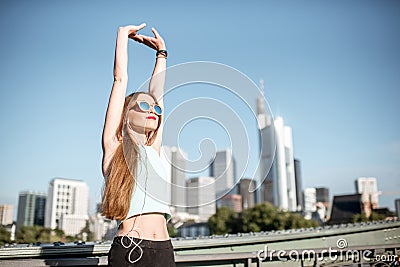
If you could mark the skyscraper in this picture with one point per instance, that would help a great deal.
(310, 200)
(232, 201)
(323, 202)
(174, 161)
(286, 161)
(280, 184)
(267, 191)
(298, 180)
(276, 168)
(67, 205)
(6, 214)
(322, 194)
(31, 209)
(223, 170)
(102, 228)
(201, 197)
(246, 190)
(368, 188)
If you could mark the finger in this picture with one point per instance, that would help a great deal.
(155, 33)
(149, 39)
(141, 26)
(138, 38)
(150, 43)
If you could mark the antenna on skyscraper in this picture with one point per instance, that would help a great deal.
(261, 116)
(262, 87)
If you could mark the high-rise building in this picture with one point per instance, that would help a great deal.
(344, 208)
(201, 197)
(322, 194)
(67, 205)
(223, 170)
(102, 228)
(323, 202)
(246, 190)
(233, 201)
(368, 188)
(290, 174)
(193, 229)
(266, 191)
(298, 180)
(31, 209)
(174, 161)
(280, 182)
(310, 200)
(276, 169)
(6, 214)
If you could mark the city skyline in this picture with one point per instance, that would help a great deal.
(330, 70)
(363, 185)
(65, 194)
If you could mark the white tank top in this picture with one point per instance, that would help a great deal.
(150, 195)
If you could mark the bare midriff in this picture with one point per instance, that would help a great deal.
(151, 226)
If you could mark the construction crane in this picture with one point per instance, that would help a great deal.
(388, 192)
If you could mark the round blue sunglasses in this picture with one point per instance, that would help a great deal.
(144, 106)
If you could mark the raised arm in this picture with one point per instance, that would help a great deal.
(157, 80)
(118, 93)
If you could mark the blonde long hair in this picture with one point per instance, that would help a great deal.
(120, 180)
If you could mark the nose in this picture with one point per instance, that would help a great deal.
(152, 110)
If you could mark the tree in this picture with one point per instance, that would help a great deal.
(262, 217)
(374, 216)
(294, 221)
(225, 220)
(33, 234)
(27, 234)
(44, 236)
(4, 235)
(359, 218)
(172, 230)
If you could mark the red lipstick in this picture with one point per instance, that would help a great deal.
(151, 117)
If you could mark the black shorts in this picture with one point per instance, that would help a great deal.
(152, 253)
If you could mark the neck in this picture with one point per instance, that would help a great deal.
(139, 138)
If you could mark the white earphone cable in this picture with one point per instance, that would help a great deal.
(137, 229)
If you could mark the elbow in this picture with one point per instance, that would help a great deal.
(120, 78)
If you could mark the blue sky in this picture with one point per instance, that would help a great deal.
(331, 70)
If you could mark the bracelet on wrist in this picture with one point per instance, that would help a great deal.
(162, 53)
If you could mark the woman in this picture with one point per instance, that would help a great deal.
(135, 184)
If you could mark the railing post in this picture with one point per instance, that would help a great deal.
(248, 262)
(316, 263)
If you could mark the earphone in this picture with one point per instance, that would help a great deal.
(137, 229)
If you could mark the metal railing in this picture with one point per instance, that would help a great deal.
(231, 250)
